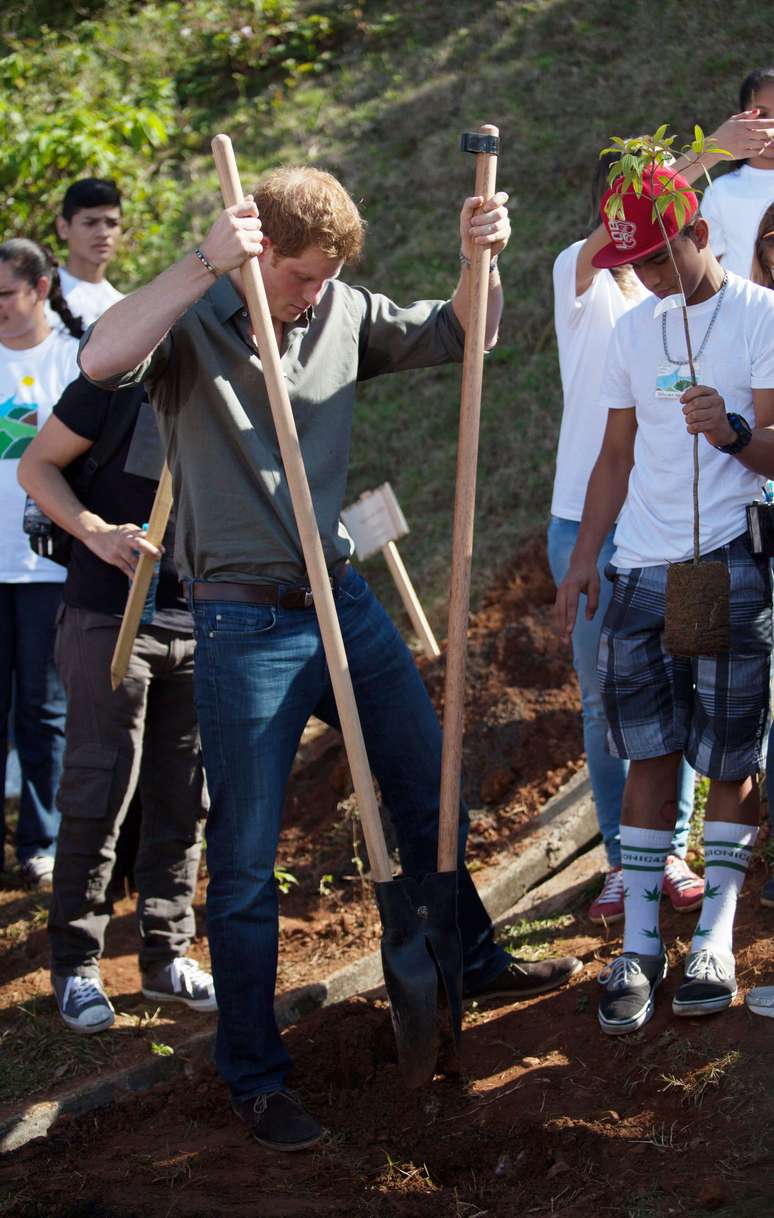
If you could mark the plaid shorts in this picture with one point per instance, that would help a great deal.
(714, 709)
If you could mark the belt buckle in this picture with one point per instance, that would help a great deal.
(308, 598)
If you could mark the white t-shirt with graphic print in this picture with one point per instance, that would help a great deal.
(656, 524)
(583, 327)
(31, 383)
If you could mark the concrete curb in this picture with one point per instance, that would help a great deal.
(565, 828)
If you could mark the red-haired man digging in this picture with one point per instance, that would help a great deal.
(260, 670)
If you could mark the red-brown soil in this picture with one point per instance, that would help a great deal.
(550, 1116)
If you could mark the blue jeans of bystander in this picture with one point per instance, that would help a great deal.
(607, 774)
(29, 679)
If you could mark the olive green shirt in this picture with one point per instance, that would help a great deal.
(234, 513)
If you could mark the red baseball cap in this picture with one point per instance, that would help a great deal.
(637, 233)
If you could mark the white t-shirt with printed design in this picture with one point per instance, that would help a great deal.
(31, 383)
(656, 524)
(583, 327)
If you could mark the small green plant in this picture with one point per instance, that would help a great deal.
(325, 886)
(284, 879)
(160, 1049)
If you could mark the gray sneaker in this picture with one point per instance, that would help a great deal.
(629, 991)
(709, 985)
(38, 872)
(83, 1004)
(761, 1001)
(182, 980)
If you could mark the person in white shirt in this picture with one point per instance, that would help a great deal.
(90, 226)
(712, 709)
(587, 303)
(36, 364)
(734, 203)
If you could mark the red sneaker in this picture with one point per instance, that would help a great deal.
(609, 905)
(684, 888)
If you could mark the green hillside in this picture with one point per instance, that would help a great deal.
(379, 94)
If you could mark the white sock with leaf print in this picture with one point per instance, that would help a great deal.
(727, 849)
(643, 855)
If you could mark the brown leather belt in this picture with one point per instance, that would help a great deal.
(279, 596)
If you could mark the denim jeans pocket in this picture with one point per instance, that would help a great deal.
(235, 621)
(352, 588)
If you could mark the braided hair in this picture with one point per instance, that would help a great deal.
(29, 262)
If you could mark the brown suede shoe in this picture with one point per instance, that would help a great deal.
(279, 1120)
(523, 978)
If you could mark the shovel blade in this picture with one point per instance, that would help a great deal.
(422, 963)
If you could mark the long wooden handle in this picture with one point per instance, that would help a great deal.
(292, 460)
(135, 601)
(462, 538)
(411, 602)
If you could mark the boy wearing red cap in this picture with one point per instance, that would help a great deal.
(714, 709)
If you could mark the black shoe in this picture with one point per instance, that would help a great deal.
(523, 978)
(630, 987)
(279, 1120)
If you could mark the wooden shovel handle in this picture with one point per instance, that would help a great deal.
(292, 460)
(462, 537)
(162, 505)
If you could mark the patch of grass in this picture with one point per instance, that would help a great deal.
(693, 1089)
(533, 938)
(405, 1177)
(37, 1051)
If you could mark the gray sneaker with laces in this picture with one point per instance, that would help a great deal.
(182, 980)
(83, 1004)
(709, 985)
(629, 991)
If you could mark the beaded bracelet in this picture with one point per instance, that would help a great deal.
(200, 254)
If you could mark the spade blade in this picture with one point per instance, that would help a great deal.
(422, 963)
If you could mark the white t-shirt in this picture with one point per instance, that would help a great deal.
(656, 524)
(87, 300)
(583, 328)
(31, 382)
(733, 206)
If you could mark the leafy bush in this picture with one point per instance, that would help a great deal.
(134, 91)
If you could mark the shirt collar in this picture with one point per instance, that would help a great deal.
(226, 301)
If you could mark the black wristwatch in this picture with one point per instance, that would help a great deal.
(743, 435)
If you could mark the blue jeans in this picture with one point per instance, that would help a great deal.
(607, 774)
(259, 674)
(29, 682)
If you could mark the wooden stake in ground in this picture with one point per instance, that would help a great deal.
(162, 505)
(375, 522)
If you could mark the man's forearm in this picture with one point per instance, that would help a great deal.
(133, 327)
(605, 496)
(758, 455)
(494, 304)
(53, 494)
